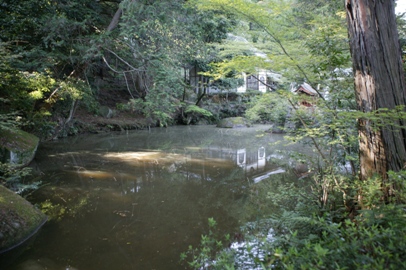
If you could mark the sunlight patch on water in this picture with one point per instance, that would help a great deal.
(70, 153)
(95, 174)
(99, 174)
(131, 156)
(166, 158)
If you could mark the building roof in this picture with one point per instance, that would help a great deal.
(307, 89)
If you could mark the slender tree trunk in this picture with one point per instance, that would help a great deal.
(379, 83)
(116, 18)
(114, 22)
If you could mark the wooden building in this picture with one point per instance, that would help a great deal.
(262, 81)
(308, 92)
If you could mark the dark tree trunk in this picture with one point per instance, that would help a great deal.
(379, 83)
(115, 20)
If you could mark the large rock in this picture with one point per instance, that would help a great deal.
(106, 112)
(17, 147)
(19, 220)
(233, 122)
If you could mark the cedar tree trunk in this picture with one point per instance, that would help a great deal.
(379, 83)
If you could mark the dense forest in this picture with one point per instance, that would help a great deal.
(71, 67)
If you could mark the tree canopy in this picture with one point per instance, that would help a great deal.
(57, 56)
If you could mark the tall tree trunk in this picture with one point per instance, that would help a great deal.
(114, 22)
(379, 83)
(116, 18)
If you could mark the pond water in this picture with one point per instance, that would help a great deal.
(136, 200)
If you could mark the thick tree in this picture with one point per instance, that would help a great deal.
(379, 84)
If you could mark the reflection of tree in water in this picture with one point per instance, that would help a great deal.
(148, 192)
(144, 199)
(259, 201)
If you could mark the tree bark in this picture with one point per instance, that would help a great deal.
(379, 83)
(116, 18)
(114, 22)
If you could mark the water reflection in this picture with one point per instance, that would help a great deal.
(137, 200)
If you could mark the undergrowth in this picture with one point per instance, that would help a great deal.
(307, 234)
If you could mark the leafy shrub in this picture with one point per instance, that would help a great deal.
(15, 178)
(193, 113)
(269, 107)
(202, 257)
(306, 234)
(374, 240)
(158, 107)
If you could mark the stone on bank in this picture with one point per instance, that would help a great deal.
(19, 220)
(234, 122)
(17, 147)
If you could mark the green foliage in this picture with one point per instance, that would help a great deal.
(258, 14)
(228, 81)
(9, 121)
(374, 241)
(69, 91)
(157, 107)
(17, 179)
(401, 23)
(47, 52)
(396, 183)
(269, 107)
(194, 113)
(64, 203)
(193, 109)
(303, 234)
(156, 47)
(39, 96)
(53, 35)
(292, 39)
(201, 257)
(23, 91)
(58, 43)
(38, 88)
(53, 211)
(152, 31)
(70, 207)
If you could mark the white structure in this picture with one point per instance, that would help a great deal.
(262, 81)
(259, 163)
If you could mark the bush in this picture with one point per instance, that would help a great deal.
(374, 240)
(158, 107)
(16, 178)
(194, 113)
(307, 234)
(269, 107)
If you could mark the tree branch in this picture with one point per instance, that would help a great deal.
(267, 85)
(122, 60)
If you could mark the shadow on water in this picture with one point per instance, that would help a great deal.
(136, 200)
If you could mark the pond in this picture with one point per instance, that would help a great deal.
(138, 199)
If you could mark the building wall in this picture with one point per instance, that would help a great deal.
(199, 82)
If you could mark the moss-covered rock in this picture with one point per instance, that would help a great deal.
(17, 147)
(106, 112)
(234, 122)
(19, 220)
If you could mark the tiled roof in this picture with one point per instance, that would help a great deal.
(307, 89)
